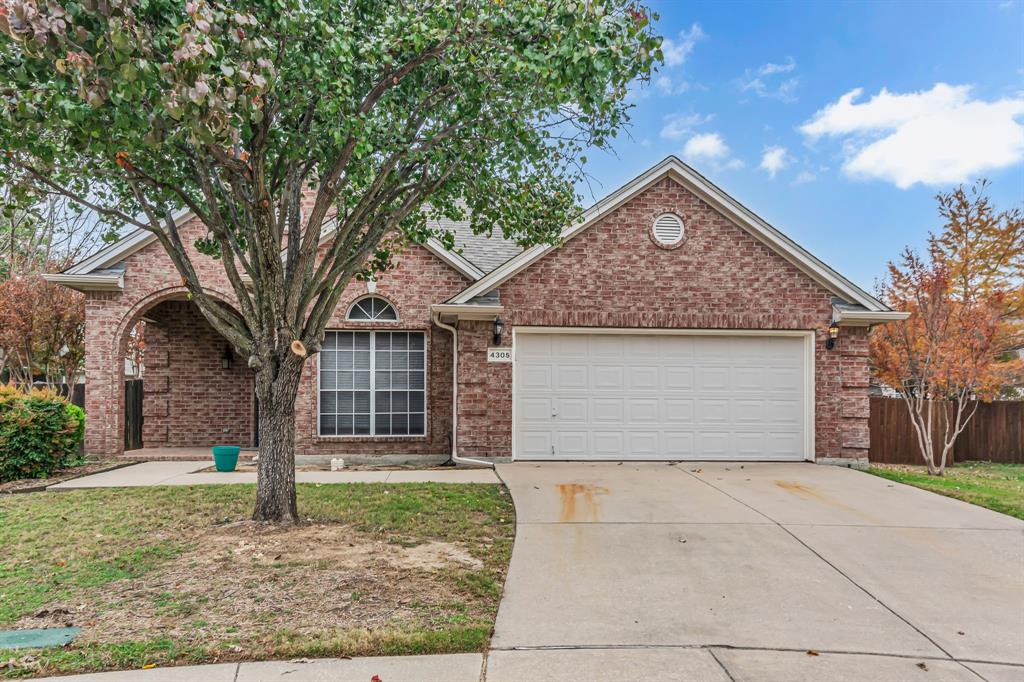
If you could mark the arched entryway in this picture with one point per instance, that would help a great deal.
(196, 392)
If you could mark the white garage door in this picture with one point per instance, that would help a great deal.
(661, 396)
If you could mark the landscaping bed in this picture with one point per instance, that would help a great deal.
(164, 576)
(31, 485)
(999, 487)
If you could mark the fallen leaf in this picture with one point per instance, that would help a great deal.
(812, 652)
(922, 666)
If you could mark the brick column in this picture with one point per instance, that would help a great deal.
(855, 372)
(104, 377)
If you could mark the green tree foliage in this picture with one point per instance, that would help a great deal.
(393, 112)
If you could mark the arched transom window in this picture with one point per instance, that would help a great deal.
(372, 308)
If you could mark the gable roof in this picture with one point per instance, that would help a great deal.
(696, 183)
(101, 271)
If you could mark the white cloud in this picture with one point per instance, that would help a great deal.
(678, 126)
(934, 137)
(762, 82)
(769, 68)
(774, 159)
(672, 86)
(676, 51)
(706, 147)
(804, 176)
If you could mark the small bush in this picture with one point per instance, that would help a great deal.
(40, 433)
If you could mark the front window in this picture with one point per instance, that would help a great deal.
(373, 383)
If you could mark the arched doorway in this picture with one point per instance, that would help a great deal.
(195, 391)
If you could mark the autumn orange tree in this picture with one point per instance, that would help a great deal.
(965, 302)
(42, 329)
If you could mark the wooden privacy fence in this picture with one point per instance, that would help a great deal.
(995, 433)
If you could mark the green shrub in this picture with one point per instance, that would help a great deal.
(40, 433)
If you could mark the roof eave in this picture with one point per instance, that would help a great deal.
(87, 282)
(468, 311)
(866, 318)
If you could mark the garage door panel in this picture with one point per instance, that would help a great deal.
(643, 411)
(571, 377)
(660, 396)
(678, 444)
(748, 445)
(608, 377)
(783, 411)
(534, 444)
(749, 379)
(643, 378)
(713, 411)
(785, 379)
(572, 444)
(535, 410)
(572, 410)
(678, 378)
(713, 379)
(535, 377)
(608, 444)
(642, 445)
(678, 410)
(608, 411)
(748, 411)
(712, 444)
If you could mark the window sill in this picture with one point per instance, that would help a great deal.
(370, 439)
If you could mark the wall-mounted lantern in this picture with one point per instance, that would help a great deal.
(833, 334)
(499, 326)
(227, 357)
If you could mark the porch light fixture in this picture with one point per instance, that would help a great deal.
(226, 357)
(833, 334)
(499, 326)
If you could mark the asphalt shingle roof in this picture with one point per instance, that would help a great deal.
(484, 252)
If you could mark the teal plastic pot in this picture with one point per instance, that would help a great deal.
(225, 457)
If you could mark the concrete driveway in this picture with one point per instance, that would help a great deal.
(759, 572)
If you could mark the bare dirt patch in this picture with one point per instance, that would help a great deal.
(244, 577)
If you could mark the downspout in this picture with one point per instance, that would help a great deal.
(455, 397)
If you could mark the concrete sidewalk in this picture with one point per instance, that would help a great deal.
(449, 668)
(191, 473)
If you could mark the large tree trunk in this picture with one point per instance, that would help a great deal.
(275, 480)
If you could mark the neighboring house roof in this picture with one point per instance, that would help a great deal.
(720, 201)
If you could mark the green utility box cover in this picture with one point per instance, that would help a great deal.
(36, 639)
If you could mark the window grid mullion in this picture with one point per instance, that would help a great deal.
(373, 383)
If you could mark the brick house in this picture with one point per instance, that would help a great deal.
(670, 323)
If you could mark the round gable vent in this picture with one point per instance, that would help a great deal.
(668, 229)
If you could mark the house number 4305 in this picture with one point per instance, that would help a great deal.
(499, 355)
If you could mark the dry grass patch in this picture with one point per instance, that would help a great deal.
(178, 575)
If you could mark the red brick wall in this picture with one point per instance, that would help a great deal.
(149, 279)
(183, 418)
(613, 275)
(189, 398)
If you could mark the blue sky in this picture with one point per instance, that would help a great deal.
(756, 96)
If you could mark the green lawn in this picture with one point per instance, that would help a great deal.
(178, 575)
(997, 486)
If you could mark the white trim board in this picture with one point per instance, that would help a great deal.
(809, 364)
(718, 199)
